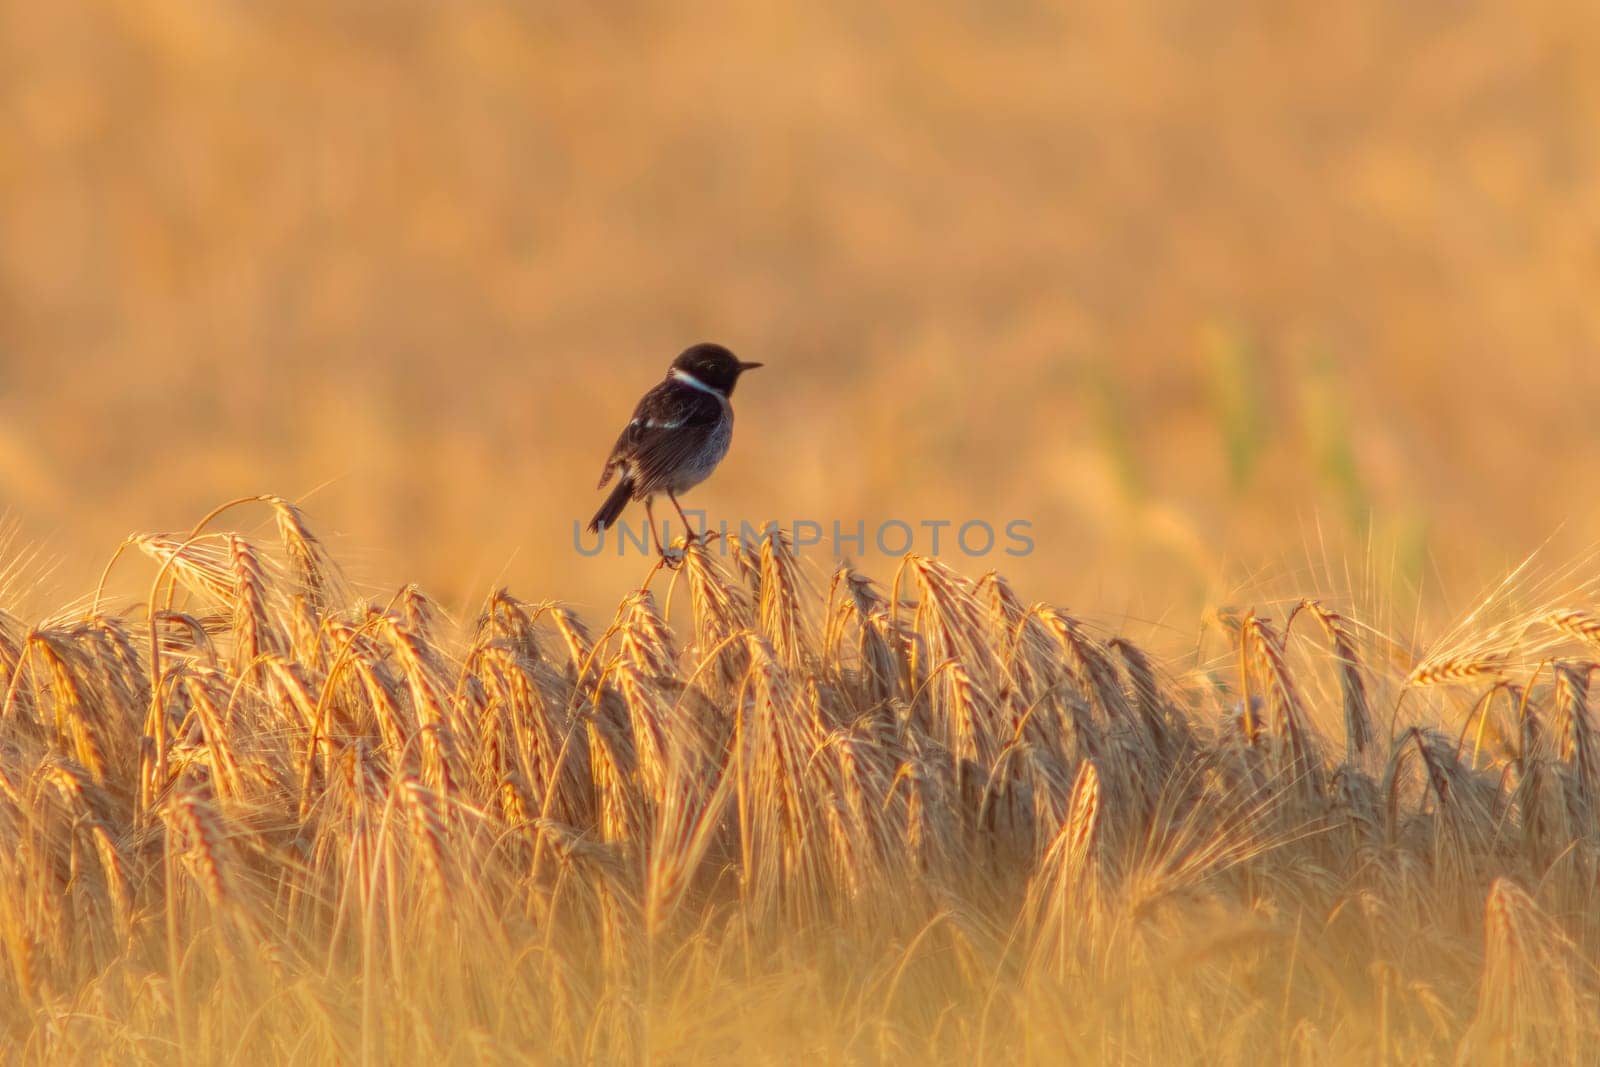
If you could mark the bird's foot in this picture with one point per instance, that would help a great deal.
(672, 558)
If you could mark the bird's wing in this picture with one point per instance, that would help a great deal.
(637, 426)
(670, 424)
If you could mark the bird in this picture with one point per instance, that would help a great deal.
(679, 432)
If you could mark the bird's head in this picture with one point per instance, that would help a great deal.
(712, 366)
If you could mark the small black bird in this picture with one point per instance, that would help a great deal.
(679, 433)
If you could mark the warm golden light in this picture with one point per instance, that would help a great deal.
(1264, 335)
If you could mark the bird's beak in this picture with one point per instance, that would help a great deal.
(749, 366)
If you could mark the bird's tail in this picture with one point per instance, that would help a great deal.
(613, 506)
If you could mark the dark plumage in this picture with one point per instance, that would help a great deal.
(678, 434)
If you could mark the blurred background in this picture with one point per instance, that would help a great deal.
(1211, 293)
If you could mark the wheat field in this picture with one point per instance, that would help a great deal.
(1277, 323)
(767, 815)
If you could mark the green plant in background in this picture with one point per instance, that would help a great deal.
(1113, 427)
(1408, 532)
(1237, 400)
(1330, 446)
(1328, 438)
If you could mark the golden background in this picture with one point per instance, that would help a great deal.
(1208, 292)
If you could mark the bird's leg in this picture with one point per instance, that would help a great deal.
(650, 516)
(688, 530)
(655, 538)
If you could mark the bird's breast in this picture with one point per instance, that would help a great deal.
(697, 467)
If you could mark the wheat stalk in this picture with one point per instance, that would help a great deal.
(928, 823)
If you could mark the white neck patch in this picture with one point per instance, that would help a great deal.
(690, 380)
